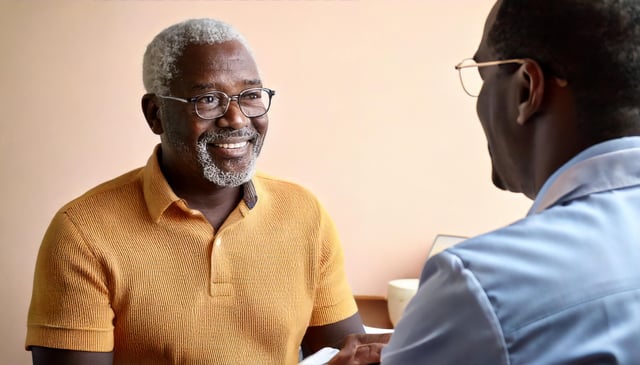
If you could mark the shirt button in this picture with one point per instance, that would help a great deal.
(218, 241)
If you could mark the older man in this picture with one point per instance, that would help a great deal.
(559, 101)
(193, 258)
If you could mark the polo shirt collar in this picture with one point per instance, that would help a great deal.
(159, 196)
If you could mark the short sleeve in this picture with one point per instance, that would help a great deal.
(70, 307)
(449, 321)
(333, 297)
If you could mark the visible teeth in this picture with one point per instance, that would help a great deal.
(231, 145)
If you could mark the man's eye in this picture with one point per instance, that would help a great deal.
(252, 95)
(208, 100)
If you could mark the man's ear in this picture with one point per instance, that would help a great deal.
(152, 113)
(531, 78)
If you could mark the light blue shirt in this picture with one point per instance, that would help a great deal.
(561, 286)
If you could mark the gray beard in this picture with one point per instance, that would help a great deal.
(223, 178)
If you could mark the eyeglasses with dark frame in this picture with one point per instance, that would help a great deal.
(472, 81)
(253, 102)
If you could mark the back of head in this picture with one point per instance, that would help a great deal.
(159, 64)
(593, 44)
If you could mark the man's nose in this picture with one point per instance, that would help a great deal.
(233, 118)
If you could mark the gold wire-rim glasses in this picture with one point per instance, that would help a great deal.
(470, 62)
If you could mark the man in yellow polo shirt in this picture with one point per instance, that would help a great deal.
(193, 258)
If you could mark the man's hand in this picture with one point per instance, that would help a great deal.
(361, 349)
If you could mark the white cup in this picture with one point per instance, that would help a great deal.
(399, 292)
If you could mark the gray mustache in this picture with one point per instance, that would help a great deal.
(210, 137)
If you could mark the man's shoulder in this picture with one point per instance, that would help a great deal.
(285, 194)
(545, 262)
(119, 188)
(273, 184)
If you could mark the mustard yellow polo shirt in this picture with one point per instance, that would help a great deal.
(128, 267)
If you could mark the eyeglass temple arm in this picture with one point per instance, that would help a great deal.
(173, 98)
(489, 63)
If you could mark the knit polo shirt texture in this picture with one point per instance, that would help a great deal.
(128, 267)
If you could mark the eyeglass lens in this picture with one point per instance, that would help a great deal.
(252, 102)
(470, 78)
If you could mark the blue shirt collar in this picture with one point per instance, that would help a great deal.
(612, 164)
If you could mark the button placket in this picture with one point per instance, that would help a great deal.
(216, 265)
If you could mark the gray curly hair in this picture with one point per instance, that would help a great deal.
(159, 63)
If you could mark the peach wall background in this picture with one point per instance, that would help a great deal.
(369, 115)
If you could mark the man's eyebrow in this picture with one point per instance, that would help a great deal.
(207, 86)
(253, 82)
(212, 86)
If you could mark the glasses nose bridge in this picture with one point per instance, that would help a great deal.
(235, 98)
(231, 98)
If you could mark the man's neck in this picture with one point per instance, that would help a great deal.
(215, 204)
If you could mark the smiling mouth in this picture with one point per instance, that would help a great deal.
(231, 145)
